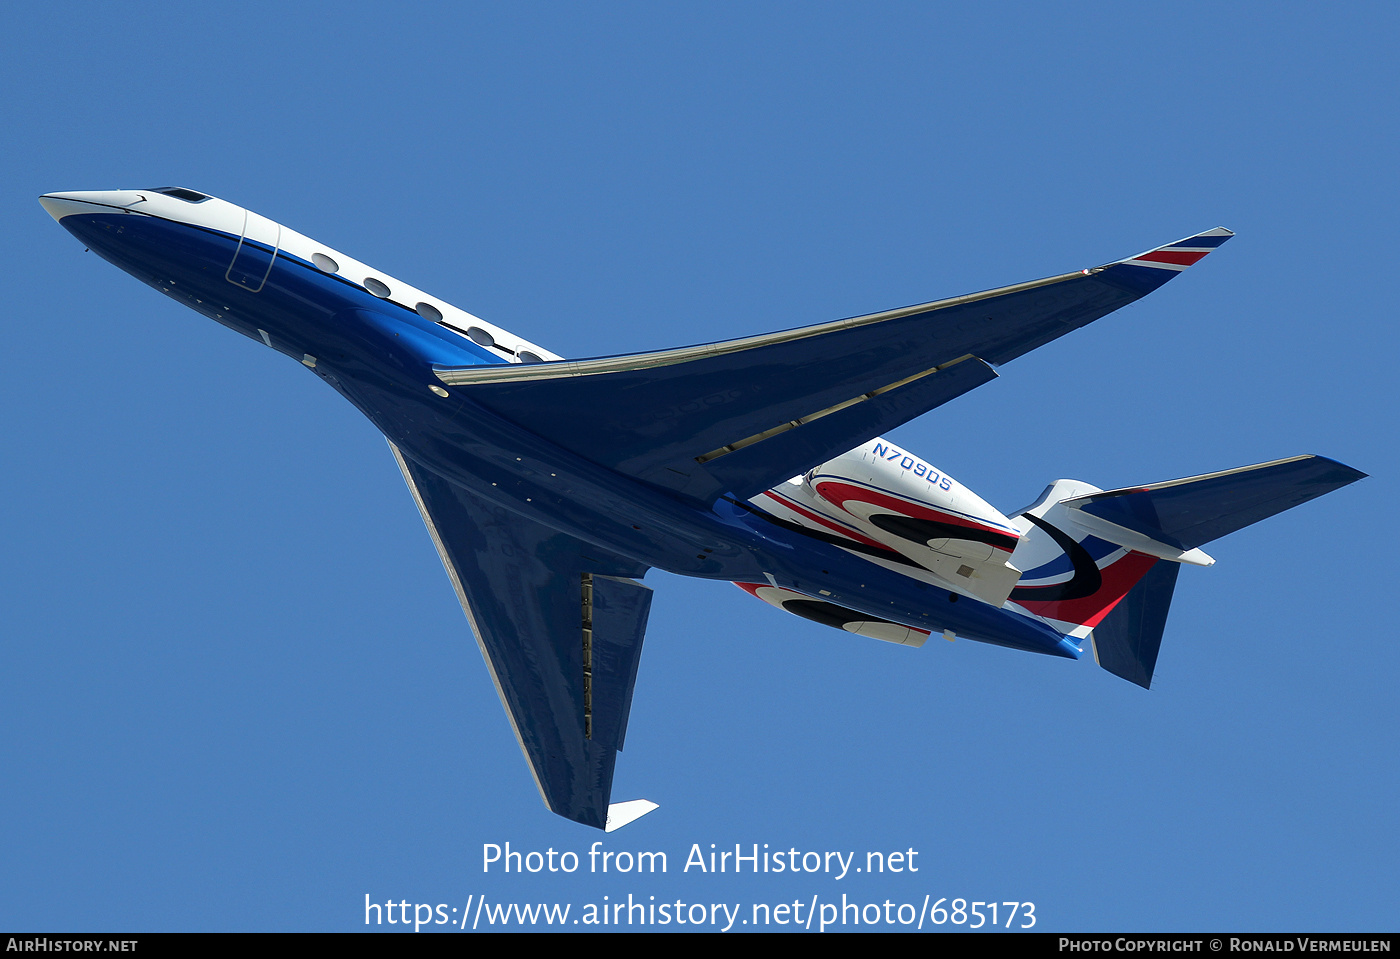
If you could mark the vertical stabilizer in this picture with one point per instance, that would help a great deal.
(1073, 578)
(1127, 640)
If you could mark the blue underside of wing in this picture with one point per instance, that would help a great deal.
(521, 584)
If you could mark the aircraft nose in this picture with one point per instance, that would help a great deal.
(59, 205)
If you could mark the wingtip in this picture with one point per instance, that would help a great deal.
(1346, 475)
(622, 813)
(1178, 256)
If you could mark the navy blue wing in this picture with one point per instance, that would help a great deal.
(743, 415)
(560, 625)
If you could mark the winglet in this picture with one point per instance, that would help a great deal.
(1183, 253)
(621, 813)
(1147, 271)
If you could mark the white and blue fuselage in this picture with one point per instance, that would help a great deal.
(376, 340)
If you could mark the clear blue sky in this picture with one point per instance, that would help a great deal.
(238, 692)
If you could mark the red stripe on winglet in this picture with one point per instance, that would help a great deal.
(1171, 256)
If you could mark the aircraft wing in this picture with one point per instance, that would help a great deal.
(743, 415)
(560, 625)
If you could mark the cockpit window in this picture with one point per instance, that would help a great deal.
(180, 193)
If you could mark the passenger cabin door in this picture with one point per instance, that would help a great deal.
(257, 249)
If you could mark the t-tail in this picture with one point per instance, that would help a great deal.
(1102, 565)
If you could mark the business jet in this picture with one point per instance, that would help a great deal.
(550, 486)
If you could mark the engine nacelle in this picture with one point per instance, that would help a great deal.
(883, 494)
(832, 614)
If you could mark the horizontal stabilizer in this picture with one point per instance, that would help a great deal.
(1190, 512)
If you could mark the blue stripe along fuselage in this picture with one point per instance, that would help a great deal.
(379, 355)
